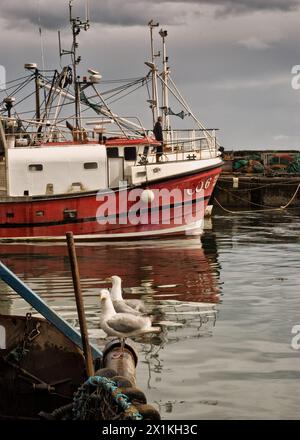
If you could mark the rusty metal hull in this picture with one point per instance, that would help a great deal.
(40, 368)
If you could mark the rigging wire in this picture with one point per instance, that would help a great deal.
(124, 95)
(63, 102)
(19, 86)
(25, 97)
(2, 85)
(120, 92)
(126, 80)
(53, 107)
(120, 89)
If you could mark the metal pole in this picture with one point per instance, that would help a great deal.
(37, 96)
(3, 139)
(165, 97)
(80, 305)
(155, 104)
(153, 78)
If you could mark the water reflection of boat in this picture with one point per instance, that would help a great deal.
(171, 269)
(178, 279)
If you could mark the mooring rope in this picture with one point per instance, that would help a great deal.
(281, 208)
(285, 206)
(244, 200)
(266, 185)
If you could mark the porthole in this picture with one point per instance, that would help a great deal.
(90, 165)
(35, 167)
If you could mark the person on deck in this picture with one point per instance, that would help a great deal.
(158, 133)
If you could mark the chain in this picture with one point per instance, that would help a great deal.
(18, 353)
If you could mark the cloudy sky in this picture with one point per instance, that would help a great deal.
(232, 59)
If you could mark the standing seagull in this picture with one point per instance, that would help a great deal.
(122, 325)
(134, 306)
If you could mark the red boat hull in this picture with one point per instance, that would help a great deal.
(53, 216)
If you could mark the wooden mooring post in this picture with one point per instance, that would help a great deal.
(80, 305)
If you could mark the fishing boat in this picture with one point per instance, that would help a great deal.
(100, 175)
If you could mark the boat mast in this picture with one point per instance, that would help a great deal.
(4, 143)
(77, 25)
(37, 95)
(154, 101)
(33, 67)
(165, 76)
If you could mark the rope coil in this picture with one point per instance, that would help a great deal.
(83, 396)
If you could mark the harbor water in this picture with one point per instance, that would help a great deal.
(227, 305)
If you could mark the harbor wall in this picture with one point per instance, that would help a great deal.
(262, 179)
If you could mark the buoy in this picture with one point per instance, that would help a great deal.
(147, 196)
(235, 183)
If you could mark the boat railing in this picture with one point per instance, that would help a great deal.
(32, 133)
(198, 141)
(177, 144)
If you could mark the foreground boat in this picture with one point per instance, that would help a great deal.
(100, 182)
(49, 370)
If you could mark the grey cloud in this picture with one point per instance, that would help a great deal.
(238, 6)
(54, 14)
(231, 7)
(235, 74)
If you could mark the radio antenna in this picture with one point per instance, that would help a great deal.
(87, 11)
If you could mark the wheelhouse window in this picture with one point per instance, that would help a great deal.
(130, 153)
(112, 152)
(90, 165)
(35, 167)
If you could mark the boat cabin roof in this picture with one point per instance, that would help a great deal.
(124, 142)
(110, 142)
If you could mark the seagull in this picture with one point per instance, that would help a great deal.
(122, 325)
(134, 306)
